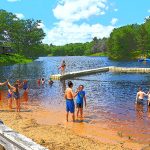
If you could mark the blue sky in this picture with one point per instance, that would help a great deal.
(71, 21)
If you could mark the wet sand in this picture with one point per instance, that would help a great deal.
(49, 128)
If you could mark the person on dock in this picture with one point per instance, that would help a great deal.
(10, 97)
(79, 101)
(69, 96)
(63, 67)
(16, 95)
(140, 96)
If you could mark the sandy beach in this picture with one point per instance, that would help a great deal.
(49, 128)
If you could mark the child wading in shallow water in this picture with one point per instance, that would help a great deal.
(79, 101)
(16, 95)
(148, 101)
(10, 93)
(69, 96)
(140, 96)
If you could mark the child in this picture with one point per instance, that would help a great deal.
(39, 82)
(42, 81)
(79, 101)
(25, 85)
(69, 96)
(63, 67)
(148, 101)
(16, 95)
(9, 97)
(140, 96)
(50, 81)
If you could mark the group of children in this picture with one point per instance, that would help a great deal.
(41, 81)
(70, 106)
(140, 96)
(13, 92)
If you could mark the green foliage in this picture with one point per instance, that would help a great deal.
(79, 49)
(129, 42)
(24, 36)
(6, 59)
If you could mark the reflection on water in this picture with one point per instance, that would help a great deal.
(110, 96)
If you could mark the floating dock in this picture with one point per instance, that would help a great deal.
(79, 73)
(99, 70)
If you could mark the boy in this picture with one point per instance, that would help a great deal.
(140, 96)
(79, 102)
(69, 96)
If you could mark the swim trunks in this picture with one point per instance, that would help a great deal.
(79, 105)
(70, 105)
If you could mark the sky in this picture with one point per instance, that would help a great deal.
(79, 21)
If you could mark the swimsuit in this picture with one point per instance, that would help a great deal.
(25, 86)
(16, 95)
(9, 95)
(70, 105)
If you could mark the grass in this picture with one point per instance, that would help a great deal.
(99, 54)
(6, 59)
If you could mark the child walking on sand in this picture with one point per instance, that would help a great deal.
(79, 101)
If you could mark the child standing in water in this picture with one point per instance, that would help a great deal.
(16, 95)
(25, 94)
(9, 97)
(148, 101)
(69, 96)
(42, 81)
(140, 96)
(79, 101)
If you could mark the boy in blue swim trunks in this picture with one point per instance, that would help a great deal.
(69, 96)
(79, 101)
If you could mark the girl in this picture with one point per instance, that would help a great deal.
(63, 67)
(16, 95)
(9, 97)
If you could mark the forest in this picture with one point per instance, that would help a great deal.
(25, 38)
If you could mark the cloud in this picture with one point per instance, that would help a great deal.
(71, 26)
(116, 9)
(65, 32)
(13, 0)
(19, 15)
(148, 11)
(75, 10)
(114, 21)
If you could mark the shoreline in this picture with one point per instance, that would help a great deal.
(49, 128)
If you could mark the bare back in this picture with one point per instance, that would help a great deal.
(69, 93)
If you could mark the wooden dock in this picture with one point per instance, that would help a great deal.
(99, 70)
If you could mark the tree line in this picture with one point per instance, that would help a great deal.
(130, 42)
(23, 36)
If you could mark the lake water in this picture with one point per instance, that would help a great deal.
(110, 96)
